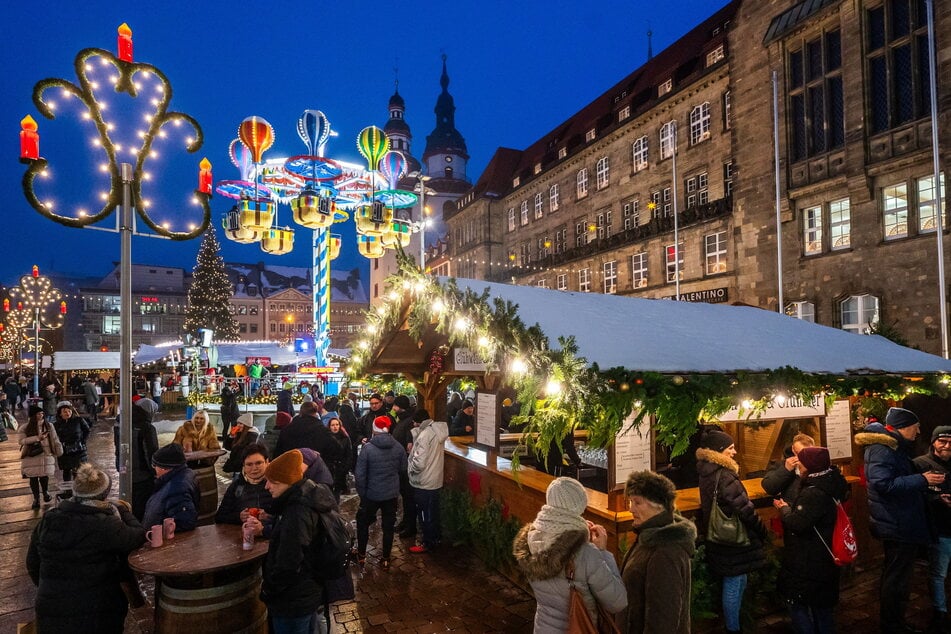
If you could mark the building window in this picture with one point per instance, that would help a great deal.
(602, 172)
(624, 113)
(538, 206)
(674, 259)
(667, 139)
(632, 214)
(728, 178)
(897, 55)
(665, 87)
(590, 135)
(511, 214)
(553, 197)
(639, 270)
(561, 238)
(242, 328)
(715, 55)
(541, 283)
(562, 152)
(537, 169)
(859, 313)
(516, 181)
(696, 188)
(700, 123)
(812, 230)
(639, 153)
(581, 234)
(584, 280)
(110, 325)
(252, 328)
(840, 224)
(727, 110)
(273, 327)
(816, 104)
(927, 216)
(805, 311)
(604, 224)
(895, 205)
(582, 182)
(609, 271)
(523, 213)
(562, 282)
(668, 206)
(524, 251)
(715, 252)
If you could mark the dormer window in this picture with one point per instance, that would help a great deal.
(624, 113)
(665, 87)
(590, 134)
(715, 55)
(562, 152)
(516, 181)
(538, 168)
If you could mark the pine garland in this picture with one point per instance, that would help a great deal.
(210, 293)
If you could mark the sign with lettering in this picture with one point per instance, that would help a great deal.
(487, 425)
(262, 360)
(632, 450)
(316, 370)
(467, 360)
(710, 296)
(839, 430)
(781, 408)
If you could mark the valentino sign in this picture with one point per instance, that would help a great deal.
(710, 296)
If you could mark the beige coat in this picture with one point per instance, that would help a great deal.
(45, 463)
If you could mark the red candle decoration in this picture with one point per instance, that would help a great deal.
(36, 271)
(1, 327)
(19, 305)
(204, 176)
(29, 140)
(62, 308)
(125, 43)
(6, 305)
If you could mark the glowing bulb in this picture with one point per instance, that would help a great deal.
(137, 84)
(746, 404)
(45, 173)
(52, 105)
(553, 387)
(155, 102)
(94, 84)
(162, 134)
(519, 366)
(141, 134)
(484, 341)
(462, 324)
(160, 88)
(87, 116)
(88, 67)
(189, 140)
(104, 195)
(82, 213)
(118, 147)
(393, 296)
(114, 79)
(381, 309)
(192, 226)
(65, 94)
(49, 204)
(103, 106)
(103, 61)
(103, 167)
(96, 142)
(372, 329)
(363, 345)
(438, 306)
(145, 202)
(355, 359)
(153, 154)
(780, 399)
(146, 74)
(165, 226)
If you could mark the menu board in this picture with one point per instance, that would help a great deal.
(487, 426)
(632, 449)
(839, 430)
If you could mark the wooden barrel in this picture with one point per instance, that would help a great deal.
(221, 604)
(208, 485)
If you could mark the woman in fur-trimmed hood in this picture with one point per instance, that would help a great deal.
(559, 537)
(720, 483)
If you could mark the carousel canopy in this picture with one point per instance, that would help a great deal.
(63, 361)
(229, 353)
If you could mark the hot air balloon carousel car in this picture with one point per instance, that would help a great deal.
(314, 209)
(370, 246)
(399, 233)
(231, 223)
(334, 246)
(373, 220)
(277, 241)
(256, 215)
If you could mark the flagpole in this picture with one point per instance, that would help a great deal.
(936, 166)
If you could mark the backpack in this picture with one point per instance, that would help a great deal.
(844, 548)
(329, 552)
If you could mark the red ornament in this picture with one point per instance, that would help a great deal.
(36, 271)
(29, 140)
(62, 308)
(125, 43)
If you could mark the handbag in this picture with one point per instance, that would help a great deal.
(31, 450)
(579, 621)
(723, 529)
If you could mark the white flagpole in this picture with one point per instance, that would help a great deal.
(936, 164)
(779, 222)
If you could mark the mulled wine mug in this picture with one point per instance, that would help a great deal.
(154, 536)
(168, 528)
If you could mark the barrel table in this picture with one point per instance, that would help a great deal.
(203, 464)
(205, 582)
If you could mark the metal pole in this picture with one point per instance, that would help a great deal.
(673, 165)
(125, 345)
(779, 222)
(36, 351)
(422, 224)
(936, 165)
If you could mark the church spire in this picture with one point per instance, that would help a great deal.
(444, 80)
(445, 138)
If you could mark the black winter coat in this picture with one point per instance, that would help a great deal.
(809, 576)
(365, 423)
(780, 482)
(144, 444)
(896, 491)
(177, 496)
(73, 434)
(728, 561)
(77, 557)
(285, 402)
(241, 495)
(940, 512)
(305, 431)
(289, 588)
(402, 430)
(229, 409)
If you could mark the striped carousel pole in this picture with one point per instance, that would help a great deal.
(321, 286)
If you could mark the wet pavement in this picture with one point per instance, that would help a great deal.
(446, 590)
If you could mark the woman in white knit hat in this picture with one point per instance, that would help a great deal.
(557, 540)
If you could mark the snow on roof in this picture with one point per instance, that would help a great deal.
(673, 337)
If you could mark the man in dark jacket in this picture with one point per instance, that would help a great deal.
(176, 490)
(783, 478)
(402, 432)
(896, 501)
(143, 446)
(378, 484)
(365, 422)
(305, 430)
(938, 460)
(289, 586)
(285, 400)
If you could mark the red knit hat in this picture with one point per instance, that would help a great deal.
(282, 420)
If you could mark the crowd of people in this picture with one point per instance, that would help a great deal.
(285, 478)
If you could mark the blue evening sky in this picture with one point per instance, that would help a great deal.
(517, 70)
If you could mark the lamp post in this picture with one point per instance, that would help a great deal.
(38, 305)
(125, 192)
(422, 190)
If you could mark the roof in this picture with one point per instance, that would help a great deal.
(497, 176)
(269, 279)
(681, 337)
(229, 353)
(790, 18)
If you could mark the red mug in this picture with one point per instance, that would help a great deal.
(168, 528)
(154, 536)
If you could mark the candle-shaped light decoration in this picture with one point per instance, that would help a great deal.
(19, 305)
(6, 305)
(62, 308)
(204, 176)
(1, 327)
(125, 43)
(36, 271)
(29, 140)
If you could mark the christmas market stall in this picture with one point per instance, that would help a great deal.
(640, 376)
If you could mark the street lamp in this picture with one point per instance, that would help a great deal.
(38, 305)
(422, 190)
(149, 88)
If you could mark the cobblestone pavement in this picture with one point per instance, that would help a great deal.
(447, 590)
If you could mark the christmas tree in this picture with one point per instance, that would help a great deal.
(210, 293)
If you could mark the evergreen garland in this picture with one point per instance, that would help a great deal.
(210, 293)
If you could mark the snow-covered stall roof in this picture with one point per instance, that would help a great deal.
(673, 337)
(64, 360)
(229, 353)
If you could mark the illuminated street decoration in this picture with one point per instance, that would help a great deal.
(39, 306)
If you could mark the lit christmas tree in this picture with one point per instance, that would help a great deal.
(210, 293)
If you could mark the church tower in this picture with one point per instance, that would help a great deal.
(398, 132)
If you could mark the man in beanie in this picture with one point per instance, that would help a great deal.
(242, 435)
(782, 479)
(176, 490)
(365, 423)
(425, 474)
(896, 501)
(377, 474)
(938, 460)
(289, 587)
(402, 432)
(656, 571)
(73, 558)
(306, 430)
